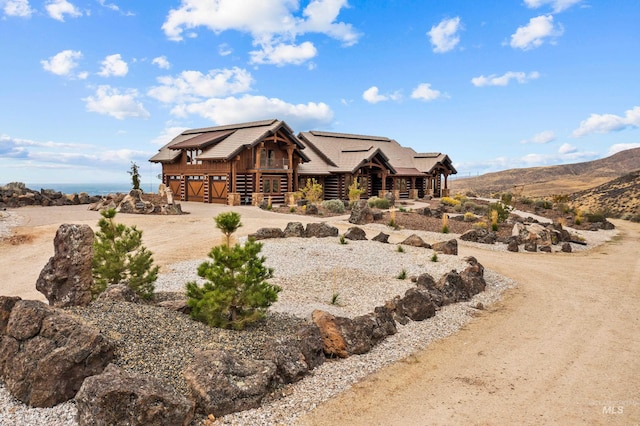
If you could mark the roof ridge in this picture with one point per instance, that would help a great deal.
(349, 136)
(232, 126)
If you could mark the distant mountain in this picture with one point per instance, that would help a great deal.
(550, 180)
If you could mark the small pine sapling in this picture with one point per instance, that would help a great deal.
(135, 175)
(228, 223)
(119, 256)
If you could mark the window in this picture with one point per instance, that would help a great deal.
(267, 158)
(271, 184)
(191, 156)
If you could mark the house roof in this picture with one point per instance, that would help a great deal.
(343, 152)
(430, 161)
(202, 140)
(224, 142)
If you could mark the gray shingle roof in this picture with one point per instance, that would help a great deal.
(223, 142)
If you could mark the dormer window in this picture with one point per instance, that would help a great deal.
(192, 155)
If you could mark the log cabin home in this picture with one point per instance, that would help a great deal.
(234, 164)
(249, 162)
(380, 164)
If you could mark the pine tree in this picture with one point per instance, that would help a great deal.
(235, 293)
(119, 256)
(135, 175)
(228, 223)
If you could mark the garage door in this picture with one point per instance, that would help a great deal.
(218, 188)
(195, 188)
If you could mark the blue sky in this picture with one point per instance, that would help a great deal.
(87, 86)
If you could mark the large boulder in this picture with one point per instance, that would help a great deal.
(267, 233)
(473, 276)
(355, 233)
(290, 362)
(321, 230)
(221, 382)
(416, 304)
(333, 343)
(294, 229)
(66, 279)
(361, 213)
(381, 238)
(415, 241)
(446, 247)
(125, 398)
(310, 343)
(343, 336)
(45, 353)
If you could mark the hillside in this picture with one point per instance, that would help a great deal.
(617, 198)
(549, 180)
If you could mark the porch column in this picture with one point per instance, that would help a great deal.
(290, 168)
(384, 181)
(233, 174)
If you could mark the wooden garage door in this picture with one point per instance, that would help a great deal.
(195, 188)
(174, 186)
(218, 189)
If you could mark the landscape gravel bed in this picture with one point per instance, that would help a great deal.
(363, 274)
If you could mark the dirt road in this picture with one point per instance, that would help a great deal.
(562, 348)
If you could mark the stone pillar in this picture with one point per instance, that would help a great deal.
(234, 199)
(382, 193)
(290, 199)
(413, 194)
(257, 198)
(396, 194)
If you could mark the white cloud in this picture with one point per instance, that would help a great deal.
(161, 62)
(191, 86)
(224, 50)
(566, 148)
(283, 54)
(425, 92)
(167, 135)
(272, 23)
(109, 101)
(556, 5)
(20, 8)
(503, 80)
(541, 138)
(606, 123)
(250, 108)
(444, 36)
(57, 9)
(373, 96)
(63, 63)
(616, 148)
(534, 33)
(113, 65)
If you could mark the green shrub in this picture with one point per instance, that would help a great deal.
(312, 191)
(119, 256)
(355, 190)
(470, 206)
(526, 201)
(543, 204)
(400, 249)
(448, 201)
(236, 292)
(506, 198)
(469, 217)
(343, 240)
(434, 257)
(334, 206)
(502, 210)
(595, 217)
(379, 203)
